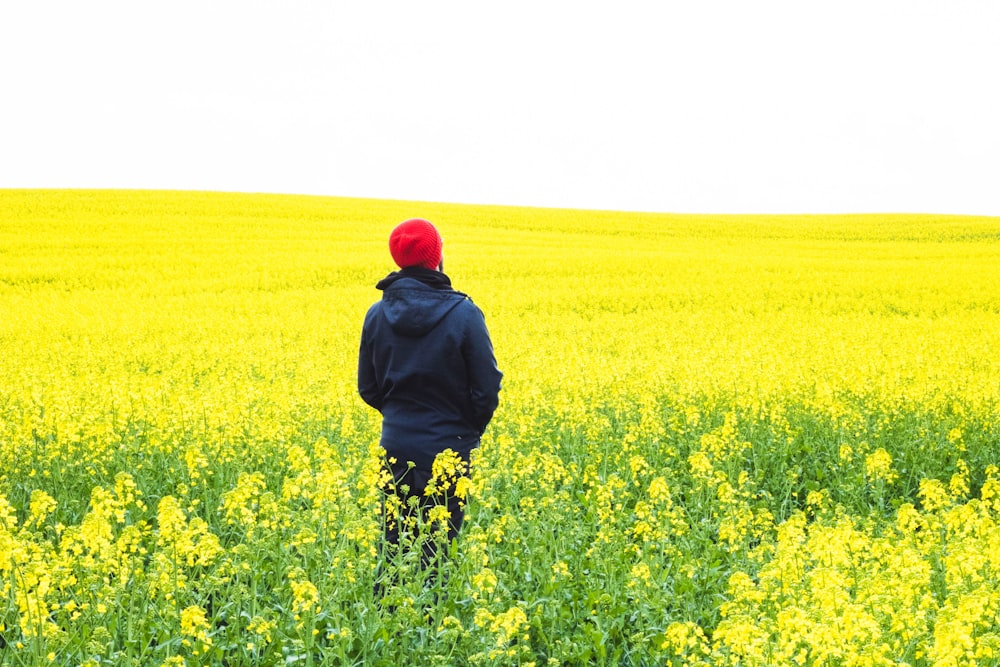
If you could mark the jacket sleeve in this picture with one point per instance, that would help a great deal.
(368, 386)
(484, 376)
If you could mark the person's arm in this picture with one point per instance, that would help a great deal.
(368, 386)
(484, 376)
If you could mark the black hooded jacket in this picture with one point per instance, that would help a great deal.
(426, 363)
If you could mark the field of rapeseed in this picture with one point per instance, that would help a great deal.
(722, 440)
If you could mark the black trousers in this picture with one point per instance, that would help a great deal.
(409, 518)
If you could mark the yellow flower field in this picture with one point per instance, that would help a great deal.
(722, 440)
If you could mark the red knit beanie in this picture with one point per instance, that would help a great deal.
(415, 242)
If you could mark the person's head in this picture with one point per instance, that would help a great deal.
(416, 242)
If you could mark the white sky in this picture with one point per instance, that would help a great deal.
(705, 106)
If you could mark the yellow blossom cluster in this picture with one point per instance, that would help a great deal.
(921, 589)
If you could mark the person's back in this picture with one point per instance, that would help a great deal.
(427, 366)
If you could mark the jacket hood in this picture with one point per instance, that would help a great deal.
(415, 301)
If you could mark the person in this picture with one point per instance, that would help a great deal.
(426, 363)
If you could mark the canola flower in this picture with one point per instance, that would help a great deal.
(722, 440)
